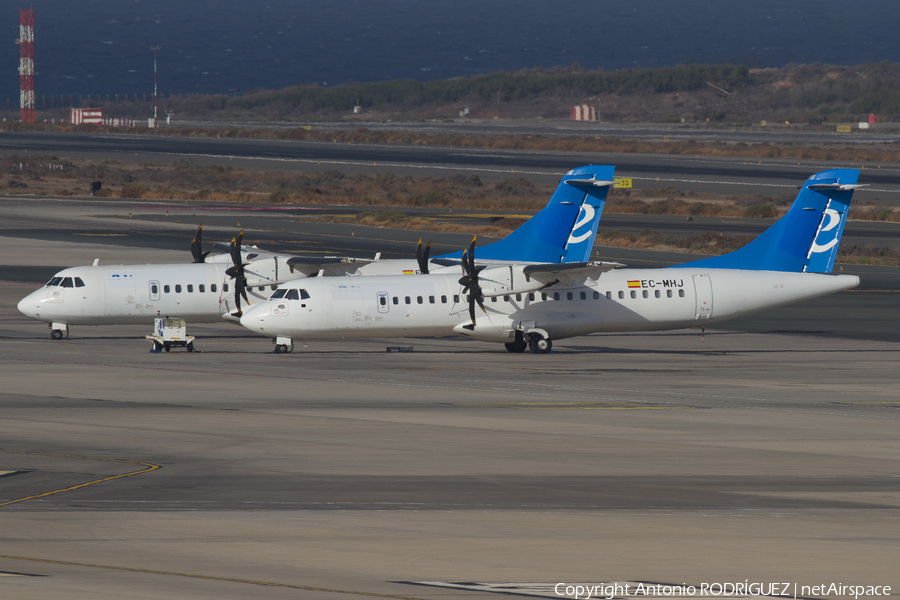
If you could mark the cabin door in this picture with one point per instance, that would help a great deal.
(704, 295)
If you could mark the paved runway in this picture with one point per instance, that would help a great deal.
(711, 174)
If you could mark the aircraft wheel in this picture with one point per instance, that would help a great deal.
(283, 349)
(540, 344)
(517, 346)
(56, 334)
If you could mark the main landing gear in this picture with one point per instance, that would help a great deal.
(539, 344)
(535, 342)
(520, 345)
(59, 331)
(283, 345)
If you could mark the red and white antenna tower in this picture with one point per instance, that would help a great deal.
(26, 63)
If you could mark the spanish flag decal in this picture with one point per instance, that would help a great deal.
(409, 272)
(632, 284)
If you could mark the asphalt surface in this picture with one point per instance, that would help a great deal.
(719, 175)
(881, 133)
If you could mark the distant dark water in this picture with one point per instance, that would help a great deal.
(229, 46)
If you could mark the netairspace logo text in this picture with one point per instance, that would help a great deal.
(608, 591)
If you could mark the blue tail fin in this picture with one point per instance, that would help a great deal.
(562, 231)
(806, 238)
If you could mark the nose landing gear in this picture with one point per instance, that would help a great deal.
(59, 331)
(283, 345)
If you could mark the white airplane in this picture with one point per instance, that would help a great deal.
(530, 305)
(212, 288)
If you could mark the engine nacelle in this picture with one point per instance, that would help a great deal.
(272, 270)
(503, 281)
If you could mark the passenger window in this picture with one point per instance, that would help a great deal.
(54, 281)
(190, 288)
(304, 295)
(633, 294)
(493, 298)
(166, 289)
(455, 298)
(556, 295)
(621, 295)
(431, 299)
(262, 288)
(569, 295)
(584, 295)
(518, 297)
(609, 295)
(225, 287)
(543, 296)
(531, 296)
(292, 295)
(656, 293)
(67, 282)
(271, 287)
(279, 293)
(212, 287)
(154, 289)
(408, 300)
(202, 288)
(79, 282)
(177, 288)
(681, 293)
(382, 301)
(597, 295)
(443, 299)
(645, 293)
(419, 299)
(668, 293)
(396, 300)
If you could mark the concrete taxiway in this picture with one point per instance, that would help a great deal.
(344, 471)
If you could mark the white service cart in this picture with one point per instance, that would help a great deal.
(170, 333)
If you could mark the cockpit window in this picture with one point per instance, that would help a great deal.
(292, 295)
(79, 282)
(67, 282)
(54, 282)
(279, 294)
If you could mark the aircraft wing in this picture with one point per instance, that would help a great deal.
(332, 265)
(568, 273)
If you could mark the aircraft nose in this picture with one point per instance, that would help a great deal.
(27, 306)
(254, 318)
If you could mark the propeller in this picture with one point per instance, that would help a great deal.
(197, 246)
(422, 256)
(236, 272)
(469, 280)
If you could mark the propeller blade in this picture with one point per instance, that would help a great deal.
(472, 307)
(197, 246)
(237, 272)
(472, 256)
(422, 256)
